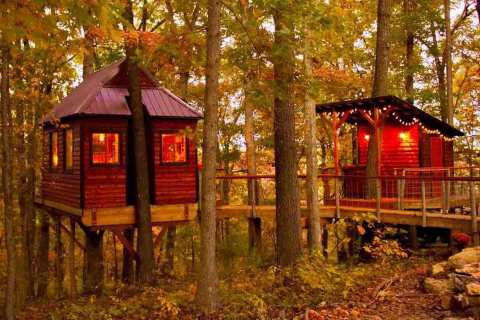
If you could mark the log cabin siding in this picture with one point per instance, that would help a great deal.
(174, 183)
(105, 186)
(57, 184)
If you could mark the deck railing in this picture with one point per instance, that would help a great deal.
(421, 191)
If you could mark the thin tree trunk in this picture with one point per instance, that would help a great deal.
(314, 229)
(380, 87)
(71, 264)
(170, 249)
(42, 256)
(477, 7)
(7, 179)
(448, 63)
(59, 274)
(286, 188)
(88, 55)
(207, 281)
(95, 265)
(127, 266)
(142, 199)
(409, 48)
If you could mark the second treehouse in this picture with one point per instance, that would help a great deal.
(88, 164)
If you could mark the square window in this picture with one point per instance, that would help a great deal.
(174, 148)
(68, 149)
(54, 149)
(106, 148)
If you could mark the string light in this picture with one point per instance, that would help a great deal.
(399, 119)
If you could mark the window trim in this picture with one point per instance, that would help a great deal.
(53, 168)
(187, 147)
(120, 148)
(65, 168)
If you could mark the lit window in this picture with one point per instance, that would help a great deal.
(105, 148)
(68, 149)
(54, 149)
(174, 148)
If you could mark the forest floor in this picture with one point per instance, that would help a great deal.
(378, 290)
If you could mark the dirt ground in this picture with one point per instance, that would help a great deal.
(399, 297)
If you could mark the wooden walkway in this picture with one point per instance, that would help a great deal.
(172, 214)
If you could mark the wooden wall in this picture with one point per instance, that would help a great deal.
(397, 152)
(104, 186)
(174, 183)
(57, 184)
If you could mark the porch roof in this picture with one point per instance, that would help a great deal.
(403, 110)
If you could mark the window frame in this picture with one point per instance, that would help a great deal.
(65, 168)
(53, 168)
(120, 148)
(187, 147)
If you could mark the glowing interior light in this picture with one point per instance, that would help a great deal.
(403, 135)
(367, 137)
(101, 137)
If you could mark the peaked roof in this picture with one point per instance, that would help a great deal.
(104, 93)
(404, 109)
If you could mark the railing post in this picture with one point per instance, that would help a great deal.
(402, 189)
(378, 197)
(473, 212)
(424, 204)
(337, 197)
(443, 197)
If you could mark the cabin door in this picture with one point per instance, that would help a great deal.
(436, 154)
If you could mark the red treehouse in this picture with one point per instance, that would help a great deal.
(411, 144)
(88, 159)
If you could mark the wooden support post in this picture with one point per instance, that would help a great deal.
(378, 198)
(473, 212)
(337, 197)
(71, 255)
(424, 205)
(447, 192)
(58, 258)
(412, 236)
(254, 233)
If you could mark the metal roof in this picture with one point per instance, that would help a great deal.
(96, 95)
(404, 108)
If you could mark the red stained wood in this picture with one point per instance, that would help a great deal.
(174, 183)
(104, 186)
(57, 184)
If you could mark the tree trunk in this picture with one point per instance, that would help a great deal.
(142, 200)
(71, 262)
(448, 63)
(314, 229)
(409, 46)
(59, 274)
(95, 265)
(127, 266)
(88, 55)
(380, 80)
(286, 188)
(380, 87)
(42, 255)
(207, 281)
(7, 179)
(477, 7)
(170, 249)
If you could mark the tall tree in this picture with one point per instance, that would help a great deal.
(207, 282)
(448, 64)
(142, 199)
(314, 229)
(409, 48)
(286, 188)
(380, 85)
(7, 181)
